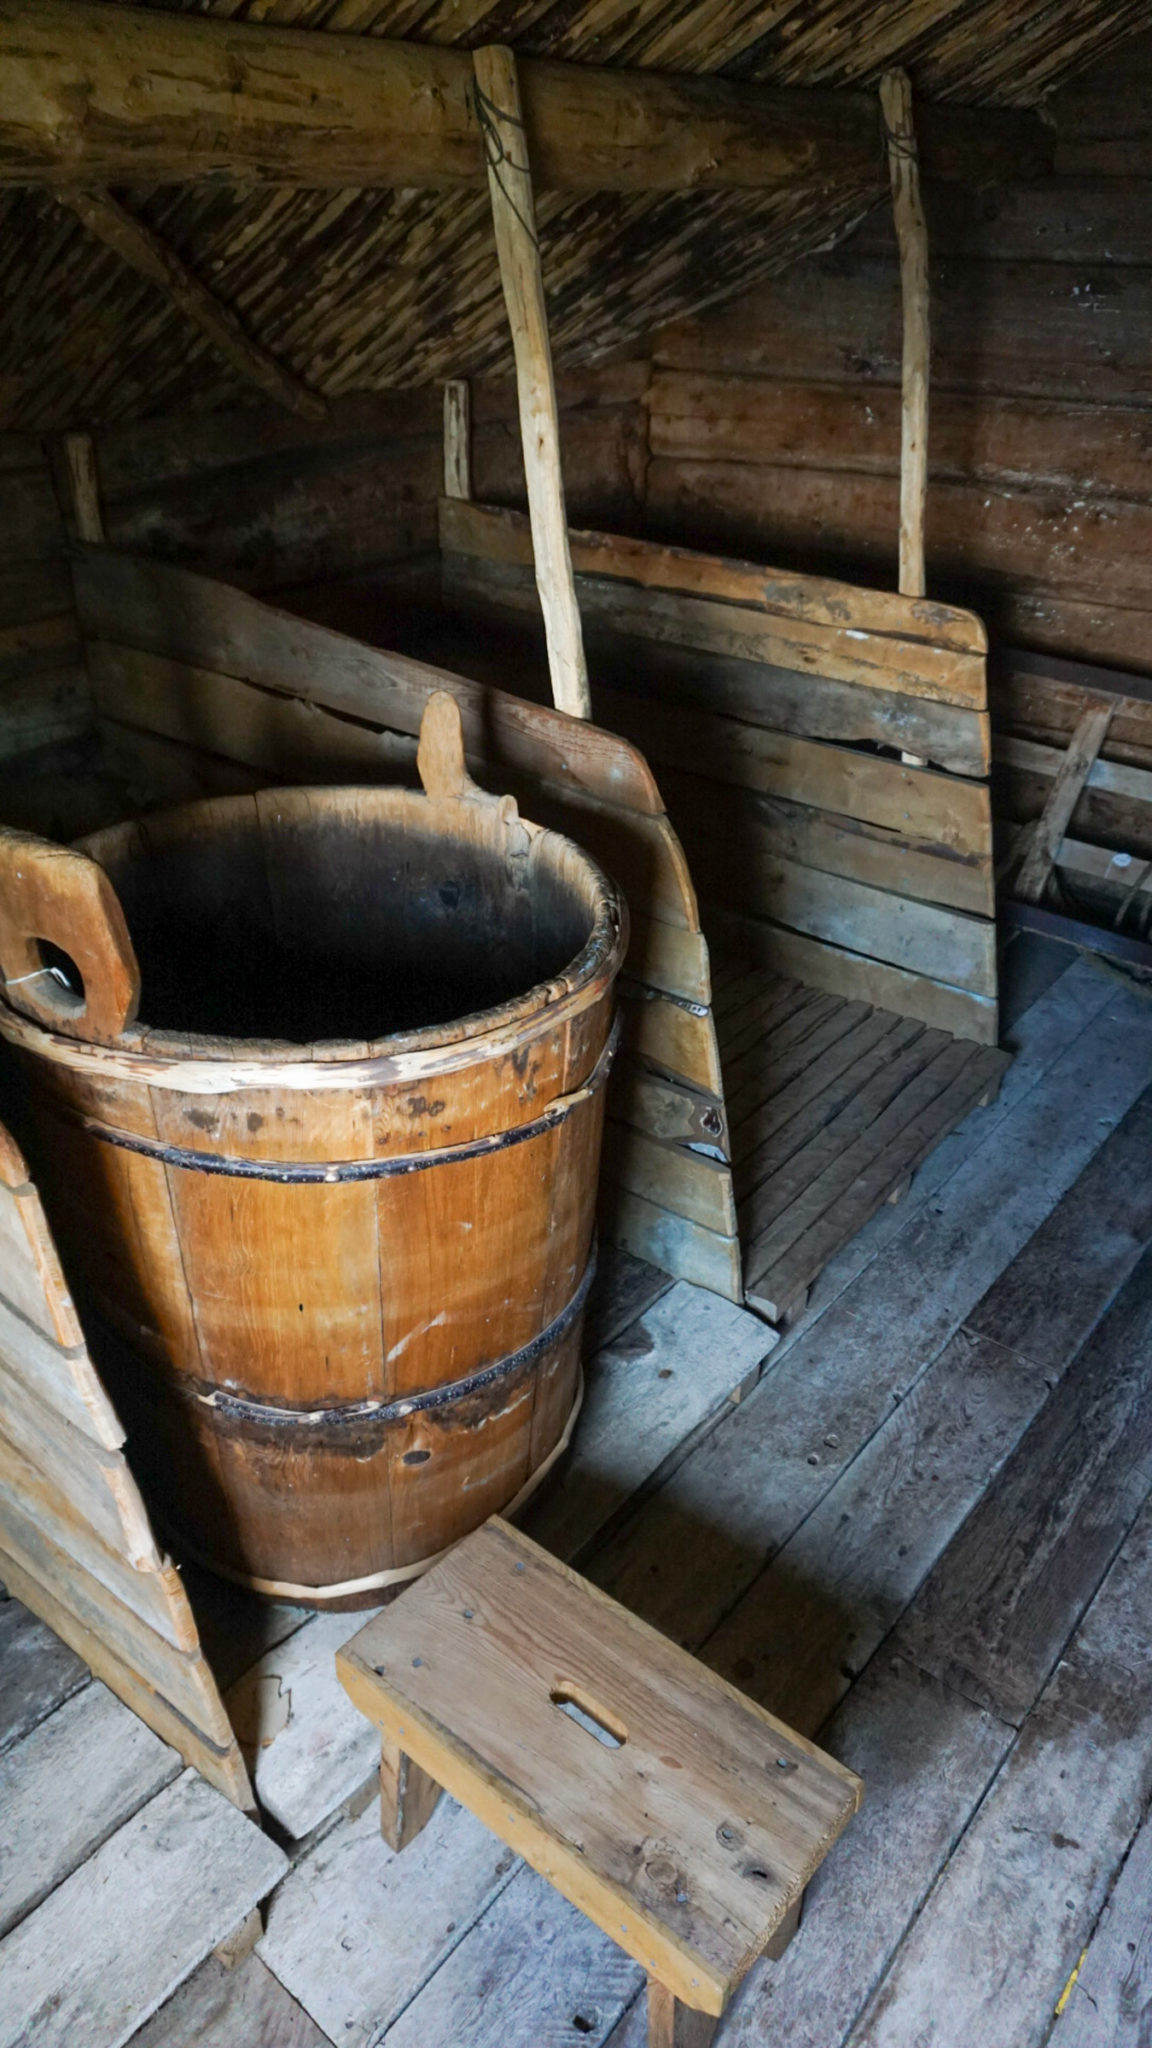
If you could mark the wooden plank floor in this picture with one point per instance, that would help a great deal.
(924, 1535)
(832, 1106)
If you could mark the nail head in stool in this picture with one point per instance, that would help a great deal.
(679, 1816)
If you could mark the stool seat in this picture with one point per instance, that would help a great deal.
(678, 1815)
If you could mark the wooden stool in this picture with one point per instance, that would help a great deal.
(680, 1817)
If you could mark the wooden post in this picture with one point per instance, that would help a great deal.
(514, 218)
(408, 1796)
(80, 487)
(912, 236)
(457, 438)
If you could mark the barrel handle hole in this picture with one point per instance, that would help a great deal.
(415, 1457)
(590, 1715)
(60, 983)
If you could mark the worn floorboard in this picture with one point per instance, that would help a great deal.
(995, 1944)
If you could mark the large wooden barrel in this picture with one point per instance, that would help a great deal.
(329, 1197)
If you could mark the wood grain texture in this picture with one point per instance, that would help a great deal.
(1054, 1828)
(37, 1672)
(559, 1633)
(501, 116)
(1109, 2000)
(216, 2007)
(195, 1866)
(997, 1611)
(67, 1788)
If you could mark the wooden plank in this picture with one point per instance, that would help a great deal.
(665, 1109)
(219, 1763)
(1115, 807)
(780, 1125)
(995, 1614)
(812, 1618)
(91, 1482)
(1064, 795)
(64, 1380)
(841, 322)
(927, 1064)
(858, 979)
(217, 2007)
(194, 1868)
(40, 1525)
(502, 1606)
(492, 1987)
(1048, 1300)
(301, 1781)
(66, 1788)
(911, 667)
(1076, 1073)
(679, 1364)
(921, 805)
(1109, 1998)
(673, 1242)
(671, 1176)
(209, 625)
(506, 153)
(675, 1035)
(760, 830)
(501, 535)
(920, 938)
(1031, 1872)
(623, 1289)
(879, 1179)
(1040, 697)
(353, 1972)
(926, 1758)
(37, 1672)
(31, 1279)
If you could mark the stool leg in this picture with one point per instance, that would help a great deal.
(407, 1796)
(672, 2024)
(785, 1931)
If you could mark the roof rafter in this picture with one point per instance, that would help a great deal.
(145, 252)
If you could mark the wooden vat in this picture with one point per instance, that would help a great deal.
(340, 1273)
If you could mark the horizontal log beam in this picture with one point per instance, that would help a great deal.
(92, 93)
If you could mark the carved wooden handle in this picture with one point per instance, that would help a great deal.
(440, 758)
(55, 901)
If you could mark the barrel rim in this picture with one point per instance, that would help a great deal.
(200, 1064)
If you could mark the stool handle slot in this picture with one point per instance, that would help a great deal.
(589, 1714)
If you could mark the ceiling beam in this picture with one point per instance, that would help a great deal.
(102, 94)
(146, 253)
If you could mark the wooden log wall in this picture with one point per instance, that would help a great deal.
(270, 501)
(44, 695)
(775, 420)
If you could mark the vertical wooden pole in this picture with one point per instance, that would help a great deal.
(80, 486)
(457, 439)
(912, 237)
(514, 219)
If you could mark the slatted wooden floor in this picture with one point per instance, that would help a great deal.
(832, 1105)
(924, 1536)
